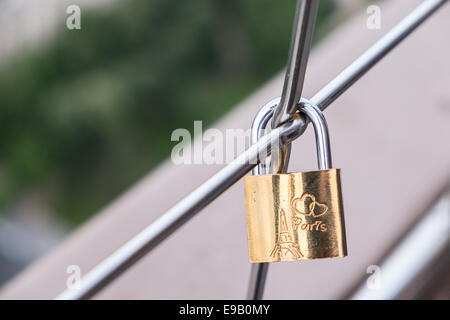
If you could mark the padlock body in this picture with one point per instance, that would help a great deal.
(295, 216)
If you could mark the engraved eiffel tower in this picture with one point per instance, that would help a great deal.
(285, 244)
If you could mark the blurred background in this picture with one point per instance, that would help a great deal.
(85, 114)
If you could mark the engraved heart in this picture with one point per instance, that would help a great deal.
(319, 209)
(307, 205)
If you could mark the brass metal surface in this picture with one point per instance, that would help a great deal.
(295, 216)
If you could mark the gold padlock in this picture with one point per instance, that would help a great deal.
(297, 216)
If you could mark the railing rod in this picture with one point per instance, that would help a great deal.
(258, 274)
(166, 224)
(303, 29)
(333, 89)
(427, 240)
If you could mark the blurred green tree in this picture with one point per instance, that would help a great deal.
(87, 115)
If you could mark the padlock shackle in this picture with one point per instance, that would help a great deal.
(259, 123)
(315, 115)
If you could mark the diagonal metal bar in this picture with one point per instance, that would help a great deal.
(303, 29)
(258, 275)
(333, 89)
(169, 222)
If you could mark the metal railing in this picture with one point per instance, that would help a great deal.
(166, 224)
(423, 245)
